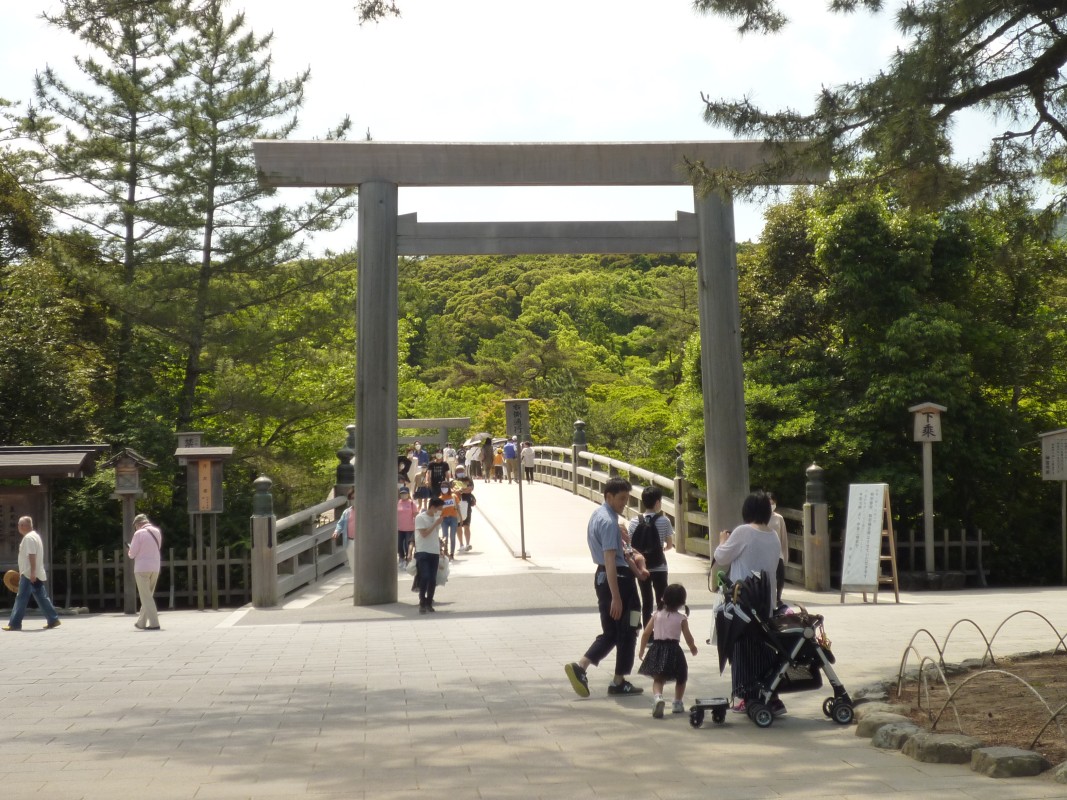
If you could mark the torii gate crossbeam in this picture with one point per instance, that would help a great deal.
(380, 168)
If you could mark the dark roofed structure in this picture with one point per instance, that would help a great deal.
(50, 461)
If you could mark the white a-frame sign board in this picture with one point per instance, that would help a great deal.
(869, 542)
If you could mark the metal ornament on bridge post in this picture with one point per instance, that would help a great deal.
(517, 424)
(203, 470)
(1054, 468)
(928, 431)
(128, 464)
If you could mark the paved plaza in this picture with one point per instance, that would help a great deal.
(320, 699)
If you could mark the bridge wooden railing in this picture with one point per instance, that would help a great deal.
(306, 549)
(584, 473)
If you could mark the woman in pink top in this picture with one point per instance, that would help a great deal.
(406, 511)
(144, 550)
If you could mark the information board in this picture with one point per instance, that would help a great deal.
(1054, 456)
(867, 506)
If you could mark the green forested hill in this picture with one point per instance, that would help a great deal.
(592, 338)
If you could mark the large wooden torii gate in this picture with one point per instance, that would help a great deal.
(380, 168)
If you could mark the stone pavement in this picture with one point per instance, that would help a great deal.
(320, 699)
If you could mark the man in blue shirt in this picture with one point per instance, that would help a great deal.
(616, 593)
(511, 455)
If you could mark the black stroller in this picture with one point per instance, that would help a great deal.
(797, 647)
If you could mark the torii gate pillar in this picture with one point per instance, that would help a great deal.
(377, 314)
(722, 378)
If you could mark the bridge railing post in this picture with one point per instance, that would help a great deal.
(578, 444)
(681, 501)
(816, 533)
(264, 540)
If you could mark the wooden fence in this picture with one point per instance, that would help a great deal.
(95, 580)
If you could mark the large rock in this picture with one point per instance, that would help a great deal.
(941, 748)
(870, 724)
(876, 692)
(1060, 773)
(894, 735)
(1007, 762)
(867, 709)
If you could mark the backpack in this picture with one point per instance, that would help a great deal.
(645, 540)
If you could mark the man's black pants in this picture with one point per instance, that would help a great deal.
(620, 633)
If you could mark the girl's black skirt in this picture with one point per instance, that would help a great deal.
(665, 660)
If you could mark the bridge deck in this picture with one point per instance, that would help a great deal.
(323, 700)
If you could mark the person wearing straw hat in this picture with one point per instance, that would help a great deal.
(32, 579)
(145, 550)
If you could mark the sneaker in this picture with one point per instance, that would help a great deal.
(10, 628)
(578, 679)
(657, 708)
(53, 624)
(777, 707)
(430, 609)
(738, 707)
(678, 707)
(422, 609)
(624, 688)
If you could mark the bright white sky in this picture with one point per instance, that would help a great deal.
(496, 70)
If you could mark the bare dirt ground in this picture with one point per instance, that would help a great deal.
(994, 704)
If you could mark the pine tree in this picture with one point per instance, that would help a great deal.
(242, 251)
(102, 151)
(1001, 59)
(156, 164)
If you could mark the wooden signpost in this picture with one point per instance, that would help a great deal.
(869, 542)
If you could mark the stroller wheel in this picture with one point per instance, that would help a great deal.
(761, 715)
(843, 713)
(718, 717)
(828, 707)
(696, 717)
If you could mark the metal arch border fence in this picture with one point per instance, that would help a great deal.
(924, 685)
(1061, 640)
(1059, 644)
(986, 673)
(925, 662)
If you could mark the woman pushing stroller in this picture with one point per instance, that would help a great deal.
(751, 548)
